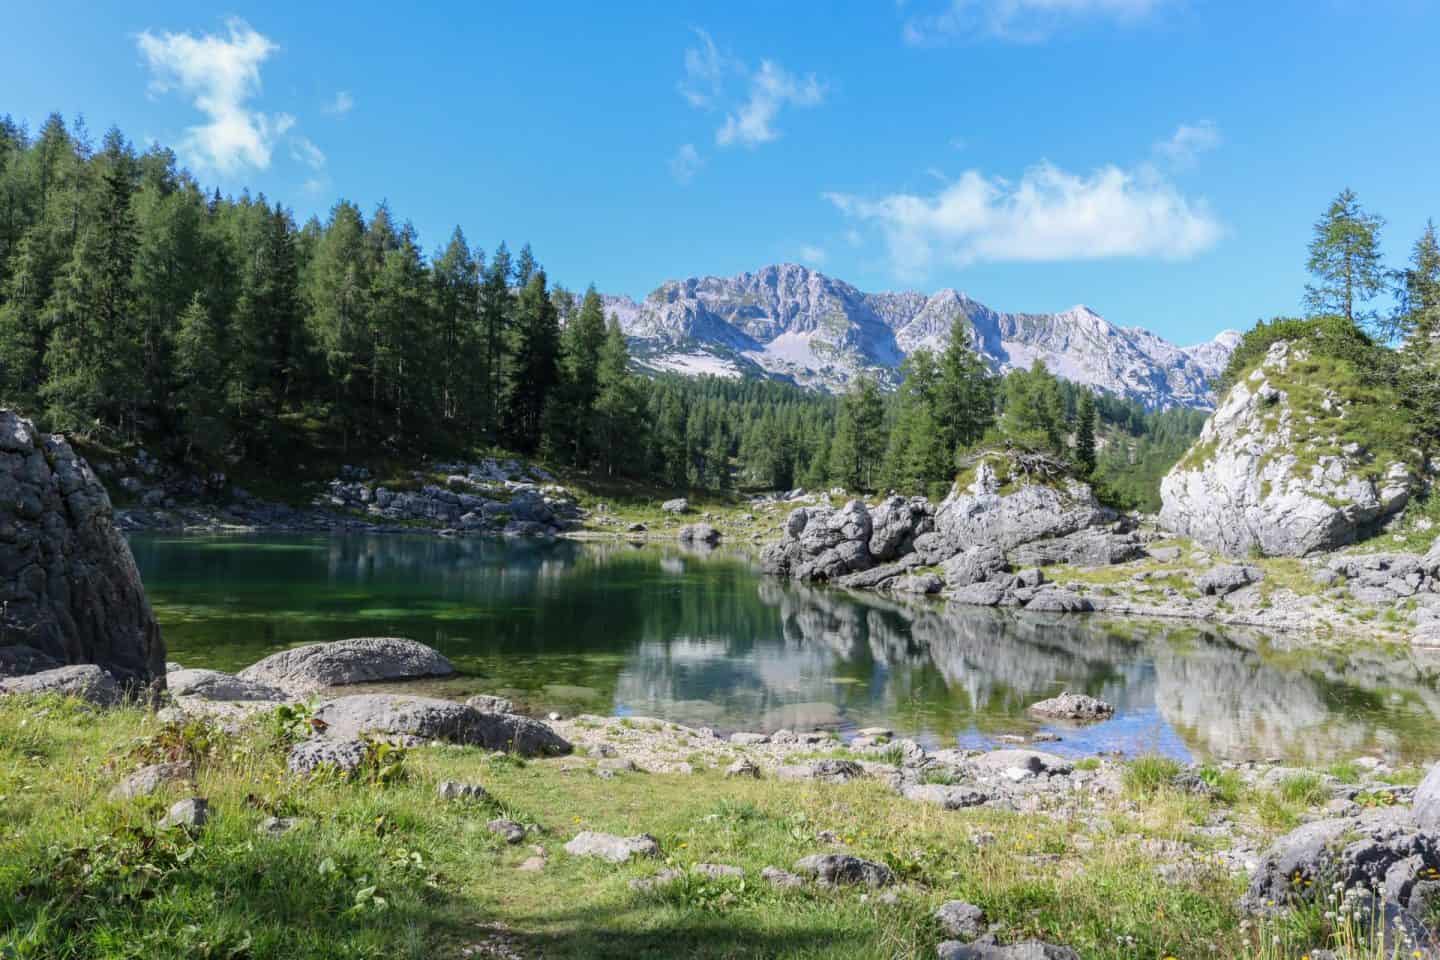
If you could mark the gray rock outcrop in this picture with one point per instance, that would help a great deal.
(1073, 706)
(214, 685)
(1257, 479)
(842, 869)
(979, 537)
(68, 583)
(86, 681)
(315, 666)
(324, 753)
(607, 846)
(428, 718)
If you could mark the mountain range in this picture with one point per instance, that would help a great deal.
(792, 323)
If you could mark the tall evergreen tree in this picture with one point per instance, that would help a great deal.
(534, 367)
(1085, 433)
(1345, 261)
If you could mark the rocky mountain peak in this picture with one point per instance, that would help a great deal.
(791, 322)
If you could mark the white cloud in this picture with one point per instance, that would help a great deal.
(686, 163)
(342, 104)
(1021, 20)
(220, 75)
(813, 255)
(1048, 215)
(1189, 141)
(305, 151)
(771, 88)
(705, 71)
(315, 185)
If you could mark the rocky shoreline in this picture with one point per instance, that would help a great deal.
(1367, 833)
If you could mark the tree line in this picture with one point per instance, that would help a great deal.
(136, 304)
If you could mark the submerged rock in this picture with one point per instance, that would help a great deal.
(315, 666)
(72, 591)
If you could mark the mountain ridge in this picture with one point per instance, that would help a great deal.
(790, 322)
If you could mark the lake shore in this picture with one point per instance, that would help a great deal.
(1113, 859)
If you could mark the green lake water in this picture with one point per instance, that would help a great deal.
(706, 640)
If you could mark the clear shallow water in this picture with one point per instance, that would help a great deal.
(706, 640)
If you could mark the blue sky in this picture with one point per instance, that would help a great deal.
(1159, 160)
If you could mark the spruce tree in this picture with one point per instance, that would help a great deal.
(534, 368)
(1345, 261)
(200, 369)
(1085, 433)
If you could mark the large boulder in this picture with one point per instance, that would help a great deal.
(1004, 516)
(86, 681)
(68, 582)
(315, 666)
(428, 718)
(214, 685)
(1380, 850)
(1277, 467)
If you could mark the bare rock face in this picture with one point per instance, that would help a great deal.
(69, 589)
(1271, 472)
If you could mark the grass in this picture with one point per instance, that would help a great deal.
(380, 867)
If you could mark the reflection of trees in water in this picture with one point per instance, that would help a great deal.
(1232, 696)
(703, 639)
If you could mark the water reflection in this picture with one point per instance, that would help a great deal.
(701, 638)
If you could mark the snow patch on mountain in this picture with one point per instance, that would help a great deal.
(794, 323)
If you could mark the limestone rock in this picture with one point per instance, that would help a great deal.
(1073, 706)
(321, 753)
(510, 831)
(701, 533)
(960, 919)
(86, 681)
(214, 685)
(150, 779)
(1227, 578)
(487, 703)
(1255, 481)
(433, 719)
(303, 670)
(71, 589)
(455, 790)
(190, 813)
(843, 869)
(677, 506)
(607, 846)
(944, 796)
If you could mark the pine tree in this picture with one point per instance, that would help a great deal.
(964, 403)
(534, 368)
(619, 402)
(582, 340)
(496, 307)
(199, 367)
(1085, 433)
(456, 297)
(1345, 261)
(338, 292)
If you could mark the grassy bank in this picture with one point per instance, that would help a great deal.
(381, 867)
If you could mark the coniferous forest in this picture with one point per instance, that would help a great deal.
(137, 304)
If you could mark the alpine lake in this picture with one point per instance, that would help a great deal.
(704, 639)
